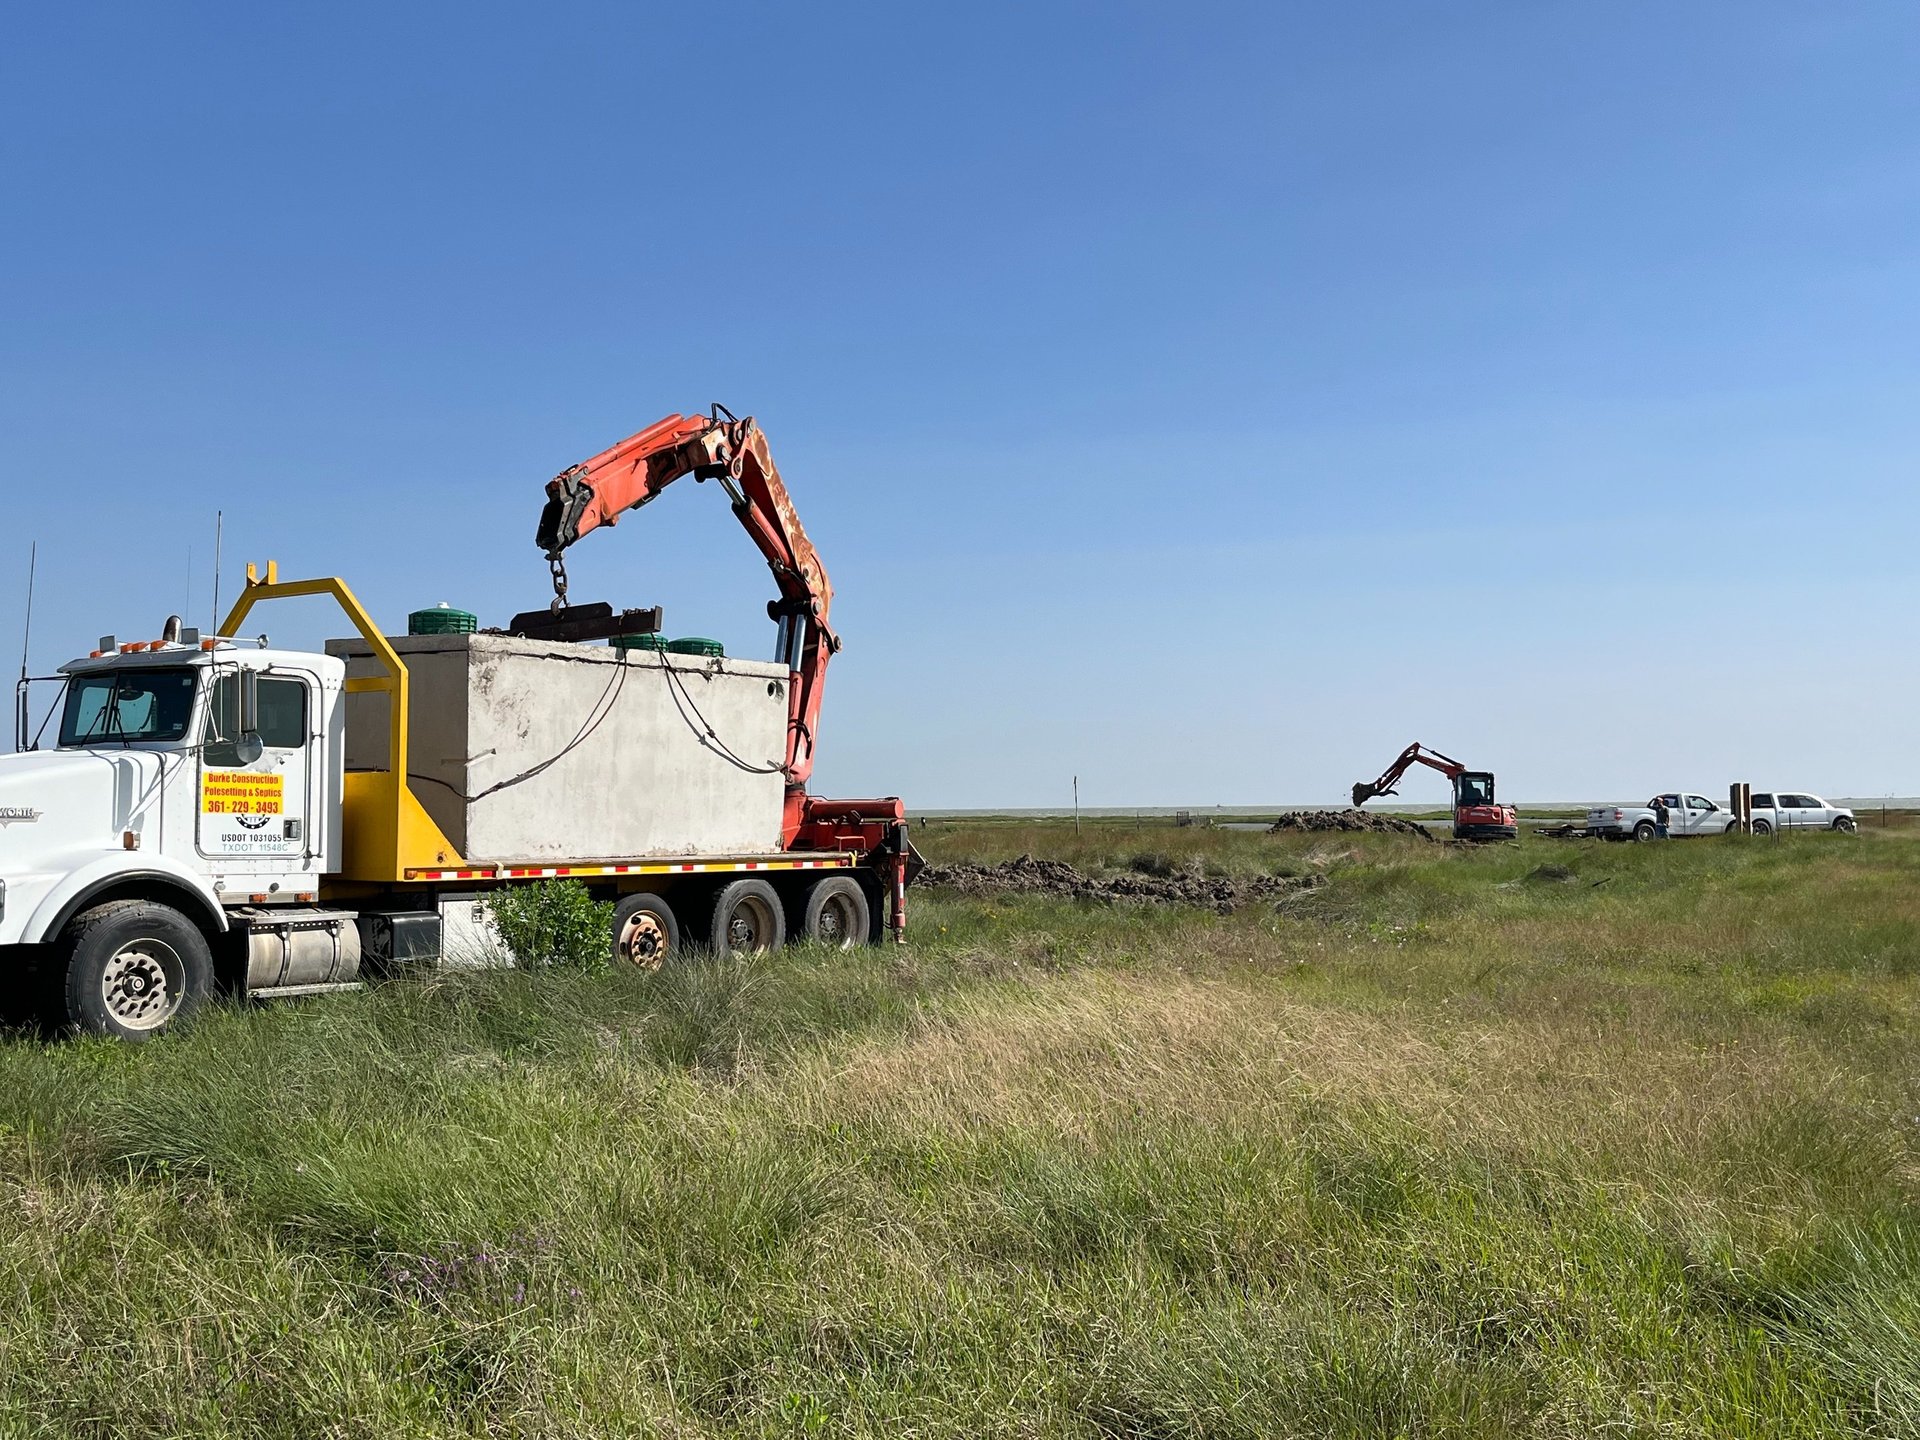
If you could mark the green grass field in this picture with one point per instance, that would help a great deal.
(1547, 1139)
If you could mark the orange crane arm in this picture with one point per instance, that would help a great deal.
(1415, 753)
(733, 451)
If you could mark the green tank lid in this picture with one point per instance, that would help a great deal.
(443, 619)
(696, 645)
(638, 642)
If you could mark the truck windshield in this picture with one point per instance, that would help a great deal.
(129, 706)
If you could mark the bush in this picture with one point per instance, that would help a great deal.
(556, 924)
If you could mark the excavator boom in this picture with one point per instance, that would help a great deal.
(1415, 753)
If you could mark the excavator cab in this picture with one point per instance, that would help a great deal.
(1473, 787)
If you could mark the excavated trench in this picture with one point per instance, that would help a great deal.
(1032, 876)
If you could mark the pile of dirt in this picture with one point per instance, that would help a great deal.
(1355, 820)
(1031, 876)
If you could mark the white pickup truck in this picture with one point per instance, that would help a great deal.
(1687, 815)
(1797, 810)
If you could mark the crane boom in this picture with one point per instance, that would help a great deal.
(722, 447)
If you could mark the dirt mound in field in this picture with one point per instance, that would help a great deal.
(1031, 876)
(1318, 821)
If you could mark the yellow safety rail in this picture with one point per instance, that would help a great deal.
(387, 831)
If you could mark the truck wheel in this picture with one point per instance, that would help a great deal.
(133, 968)
(836, 913)
(747, 919)
(1762, 827)
(1643, 831)
(1845, 825)
(645, 934)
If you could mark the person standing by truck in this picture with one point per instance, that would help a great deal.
(1660, 816)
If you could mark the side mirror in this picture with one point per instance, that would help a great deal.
(249, 745)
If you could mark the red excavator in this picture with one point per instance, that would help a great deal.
(723, 447)
(1475, 814)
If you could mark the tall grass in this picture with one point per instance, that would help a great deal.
(1543, 1140)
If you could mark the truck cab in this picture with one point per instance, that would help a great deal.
(203, 768)
(185, 776)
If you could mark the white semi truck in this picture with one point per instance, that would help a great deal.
(216, 815)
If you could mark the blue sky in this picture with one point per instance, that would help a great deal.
(1204, 399)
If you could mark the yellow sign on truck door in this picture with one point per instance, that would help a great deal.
(242, 813)
(242, 792)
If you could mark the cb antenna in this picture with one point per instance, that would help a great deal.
(219, 527)
(26, 652)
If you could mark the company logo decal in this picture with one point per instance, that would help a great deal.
(18, 814)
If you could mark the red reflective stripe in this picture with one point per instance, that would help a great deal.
(841, 861)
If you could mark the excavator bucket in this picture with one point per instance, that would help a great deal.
(1362, 793)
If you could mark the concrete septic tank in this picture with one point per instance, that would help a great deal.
(535, 750)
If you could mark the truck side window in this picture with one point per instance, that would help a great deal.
(1762, 802)
(283, 718)
(283, 714)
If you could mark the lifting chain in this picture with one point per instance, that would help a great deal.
(556, 562)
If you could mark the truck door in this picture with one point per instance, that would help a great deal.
(259, 815)
(1800, 812)
(1699, 814)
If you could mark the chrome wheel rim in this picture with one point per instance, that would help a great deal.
(141, 984)
(643, 941)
